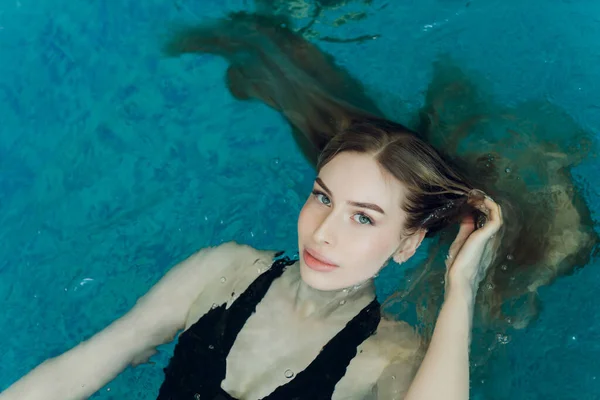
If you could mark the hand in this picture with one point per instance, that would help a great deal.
(472, 251)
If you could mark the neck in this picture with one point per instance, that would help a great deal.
(311, 302)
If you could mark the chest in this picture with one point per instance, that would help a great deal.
(275, 344)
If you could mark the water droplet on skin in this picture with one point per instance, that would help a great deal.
(289, 373)
(507, 170)
(211, 347)
(504, 267)
(509, 320)
(342, 302)
(509, 257)
(223, 279)
(196, 396)
(489, 286)
(345, 290)
(481, 222)
(258, 270)
(214, 305)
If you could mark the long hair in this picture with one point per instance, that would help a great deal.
(548, 228)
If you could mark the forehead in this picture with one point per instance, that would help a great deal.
(358, 177)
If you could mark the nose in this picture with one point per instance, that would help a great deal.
(325, 231)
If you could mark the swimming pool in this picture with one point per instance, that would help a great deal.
(116, 163)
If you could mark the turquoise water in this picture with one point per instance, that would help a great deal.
(116, 163)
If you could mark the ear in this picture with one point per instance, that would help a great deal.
(409, 246)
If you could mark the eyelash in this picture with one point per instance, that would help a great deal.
(317, 193)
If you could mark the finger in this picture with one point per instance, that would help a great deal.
(467, 226)
(494, 215)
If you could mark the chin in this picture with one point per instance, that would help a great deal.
(319, 280)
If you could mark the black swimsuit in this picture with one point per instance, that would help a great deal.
(198, 365)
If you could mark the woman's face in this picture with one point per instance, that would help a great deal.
(351, 224)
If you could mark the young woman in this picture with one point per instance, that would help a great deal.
(255, 328)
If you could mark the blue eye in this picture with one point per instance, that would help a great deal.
(363, 219)
(321, 198)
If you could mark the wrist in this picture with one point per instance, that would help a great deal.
(460, 290)
(458, 306)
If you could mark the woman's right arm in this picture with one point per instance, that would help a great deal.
(155, 319)
(444, 372)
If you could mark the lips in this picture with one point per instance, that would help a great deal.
(318, 262)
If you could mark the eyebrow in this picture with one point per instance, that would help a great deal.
(369, 206)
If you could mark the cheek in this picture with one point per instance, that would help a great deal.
(305, 219)
(377, 247)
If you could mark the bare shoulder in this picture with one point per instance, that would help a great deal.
(200, 269)
(186, 279)
(396, 338)
(404, 349)
(227, 271)
(221, 256)
(394, 343)
(385, 363)
(167, 306)
(164, 308)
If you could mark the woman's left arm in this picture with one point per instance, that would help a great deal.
(444, 372)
